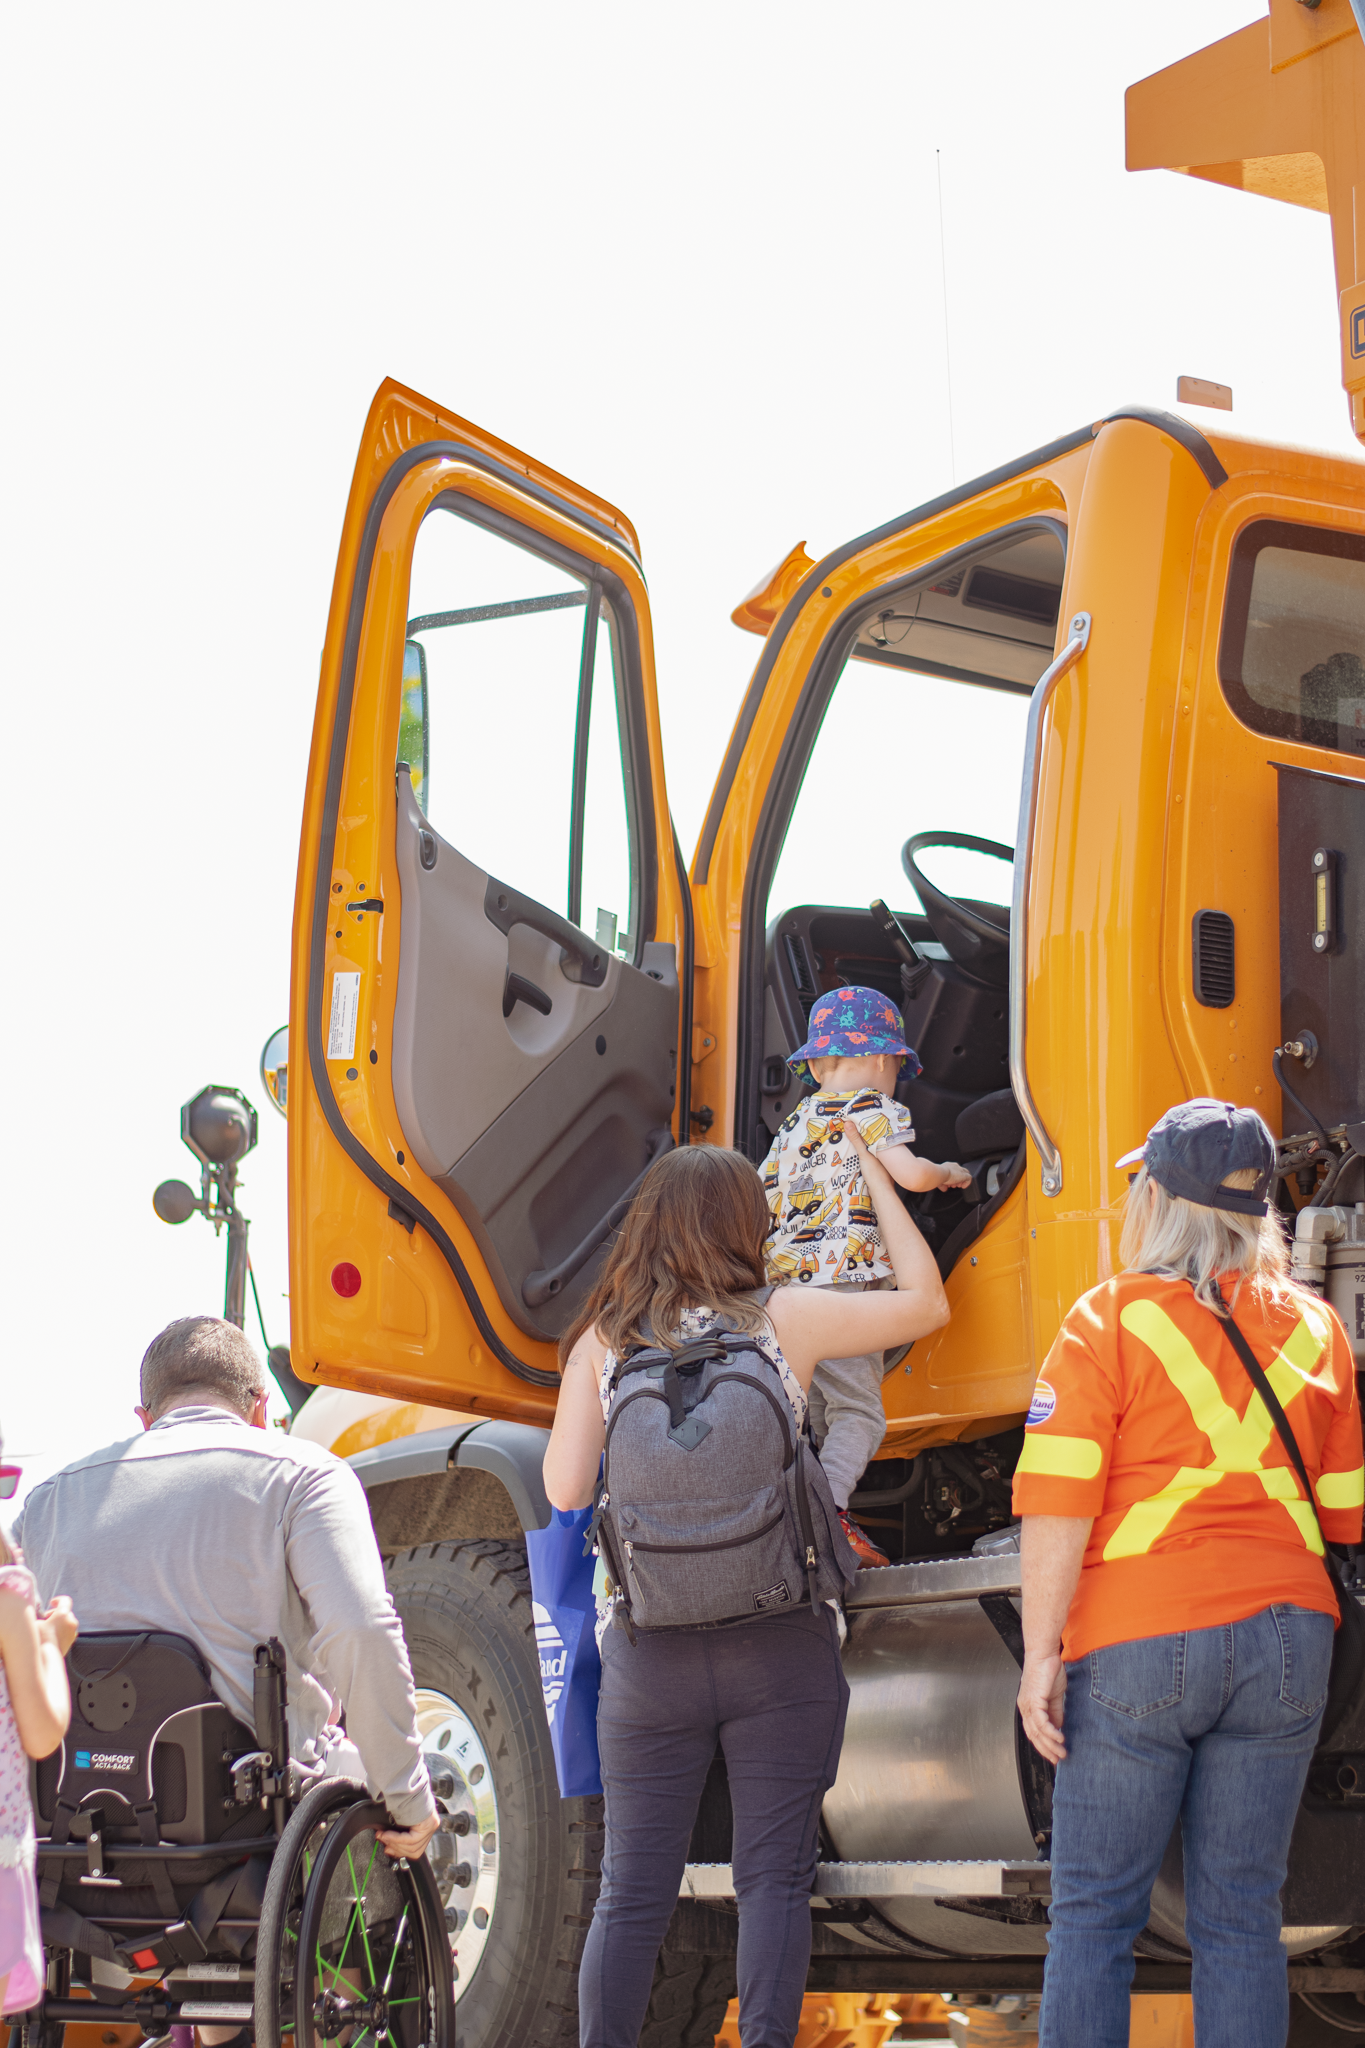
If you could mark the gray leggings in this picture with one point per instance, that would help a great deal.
(772, 1693)
(847, 1418)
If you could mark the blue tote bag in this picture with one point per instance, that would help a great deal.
(565, 1616)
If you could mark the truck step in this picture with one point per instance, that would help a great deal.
(961, 1880)
(935, 1579)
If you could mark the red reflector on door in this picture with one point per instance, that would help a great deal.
(346, 1279)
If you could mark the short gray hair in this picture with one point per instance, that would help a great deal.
(200, 1355)
(1163, 1233)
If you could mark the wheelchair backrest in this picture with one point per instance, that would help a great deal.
(147, 1736)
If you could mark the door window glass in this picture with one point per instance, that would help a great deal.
(607, 905)
(496, 687)
(1292, 659)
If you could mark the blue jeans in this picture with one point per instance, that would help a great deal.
(1215, 1728)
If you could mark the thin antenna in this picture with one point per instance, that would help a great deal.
(947, 346)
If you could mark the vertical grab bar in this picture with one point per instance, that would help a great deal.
(1077, 641)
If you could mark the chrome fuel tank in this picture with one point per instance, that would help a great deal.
(929, 1768)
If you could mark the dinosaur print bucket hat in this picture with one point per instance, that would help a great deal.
(853, 1024)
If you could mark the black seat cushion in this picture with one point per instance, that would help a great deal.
(990, 1124)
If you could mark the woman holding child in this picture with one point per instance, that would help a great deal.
(770, 1690)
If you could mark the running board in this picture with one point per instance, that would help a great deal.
(893, 1881)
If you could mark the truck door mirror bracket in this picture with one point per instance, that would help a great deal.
(1078, 639)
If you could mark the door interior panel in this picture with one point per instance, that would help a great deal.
(534, 1124)
(452, 981)
(539, 1184)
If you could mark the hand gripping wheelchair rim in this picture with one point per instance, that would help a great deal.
(296, 1891)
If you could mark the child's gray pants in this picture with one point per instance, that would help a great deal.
(847, 1419)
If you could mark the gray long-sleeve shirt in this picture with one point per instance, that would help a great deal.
(204, 1527)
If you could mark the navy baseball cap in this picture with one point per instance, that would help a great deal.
(1196, 1145)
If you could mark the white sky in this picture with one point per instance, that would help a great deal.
(688, 256)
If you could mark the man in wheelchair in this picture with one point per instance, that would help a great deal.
(212, 1848)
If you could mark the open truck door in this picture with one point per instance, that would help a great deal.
(490, 922)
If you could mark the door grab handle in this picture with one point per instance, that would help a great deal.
(1078, 639)
(517, 989)
(581, 959)
(540, 1287)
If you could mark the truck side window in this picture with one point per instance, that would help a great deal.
(1292, 656)
(509, 660)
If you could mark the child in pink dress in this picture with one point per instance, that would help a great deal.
(35, 1711)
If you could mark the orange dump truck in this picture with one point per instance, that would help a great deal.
(1120, 682)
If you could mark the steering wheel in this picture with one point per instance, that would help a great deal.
(978, 942)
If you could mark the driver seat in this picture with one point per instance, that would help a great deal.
(991, 1124)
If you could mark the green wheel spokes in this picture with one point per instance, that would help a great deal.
(397, 1945)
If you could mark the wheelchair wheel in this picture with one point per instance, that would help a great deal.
(373, 1954)
(277, 1939)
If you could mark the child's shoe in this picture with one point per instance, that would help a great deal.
(864, 1549)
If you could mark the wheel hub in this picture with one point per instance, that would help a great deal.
(464, 1855)
(333, 2015)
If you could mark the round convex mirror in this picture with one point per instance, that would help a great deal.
(275, 1068)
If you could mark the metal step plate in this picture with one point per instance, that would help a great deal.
(939, 1578)
(961, 1880)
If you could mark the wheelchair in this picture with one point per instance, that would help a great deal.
(187, 1878)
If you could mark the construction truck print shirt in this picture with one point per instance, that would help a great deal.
(824, 1225)
(1144, 1417)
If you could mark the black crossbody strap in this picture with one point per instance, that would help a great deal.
(1283, 1427)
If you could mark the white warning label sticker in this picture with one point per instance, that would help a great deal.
(345, 1007)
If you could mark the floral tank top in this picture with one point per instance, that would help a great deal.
(697, 1322)
(21, 1941)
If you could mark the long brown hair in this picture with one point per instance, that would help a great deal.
(692, 1238)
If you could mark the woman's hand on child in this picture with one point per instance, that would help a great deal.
(59, 1625)
(866, 1158)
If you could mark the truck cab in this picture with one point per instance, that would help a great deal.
(1082, 725)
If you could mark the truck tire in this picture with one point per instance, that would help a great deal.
(466, 1613)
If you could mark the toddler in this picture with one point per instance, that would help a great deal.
(824, 1228)
(35, 1710)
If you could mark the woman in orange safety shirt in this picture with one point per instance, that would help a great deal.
(1178, 1621)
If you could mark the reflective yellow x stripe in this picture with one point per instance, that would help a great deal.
(1238, 1442)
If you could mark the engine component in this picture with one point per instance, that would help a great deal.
(1329, 1256)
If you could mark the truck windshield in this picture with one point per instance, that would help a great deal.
(900, 753)
(924, 731)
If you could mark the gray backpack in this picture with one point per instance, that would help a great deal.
(712, 1503)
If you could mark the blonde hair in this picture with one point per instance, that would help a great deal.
(1163, 1233)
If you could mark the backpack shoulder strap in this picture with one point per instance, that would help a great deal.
(1283, 1427)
